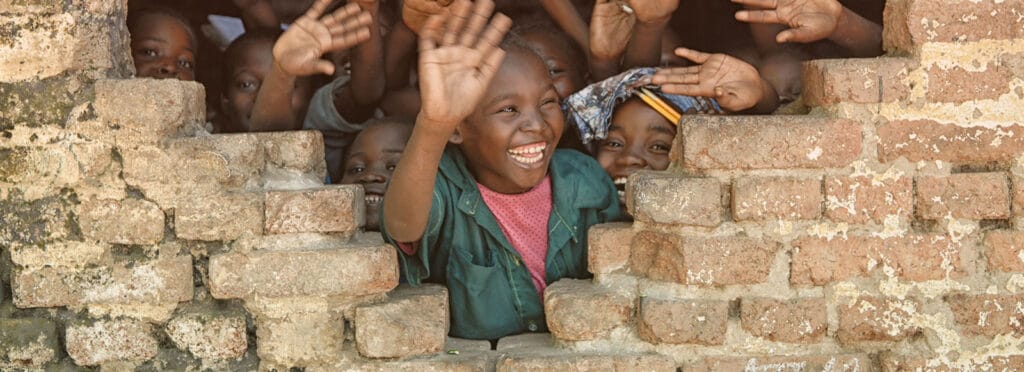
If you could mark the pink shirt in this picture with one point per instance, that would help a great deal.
(524, 220)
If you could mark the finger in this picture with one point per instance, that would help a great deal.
(342, 14)
(481, 13)
(430, 34)
(758, 16)
(317, 9)
(363, 20)
(492, 62)
(494, 33)
(769, 4)
(687, 90)
(676, 79)
(323, 66)
(693, 55)
(799, 35)
(456, 21)
(348, 39)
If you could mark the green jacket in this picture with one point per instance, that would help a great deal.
(490, 291)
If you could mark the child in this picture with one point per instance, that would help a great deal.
(500, 214)
(372, 158)
(564, 58)
(163, 44)
(813, 20)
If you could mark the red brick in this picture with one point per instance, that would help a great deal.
(877, 319)
(830, 363)
(918, 140)
(898, 363)
(329, 209)
(668, 198)
(110, 341)
(867, 80)
(967, 195)
(608, 247)
(683, 321)
(864, 199)
(911, 23)
(819, 261)
(766, 142)
(714, 261)
(776, 198)
(580, 310)
(958, 85)
(795, 321)
(1005, 251)
(988, 315)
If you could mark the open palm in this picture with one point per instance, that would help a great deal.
(735, 84)
(808, 20)
(299, 49)
(610, 29)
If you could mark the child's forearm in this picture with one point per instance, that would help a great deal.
(769, 100)
(857, 34)
(358, 99)
(399, 56)
(644, 48)
(603, 67)
(566, 16)
(273, 108)
(410, 192)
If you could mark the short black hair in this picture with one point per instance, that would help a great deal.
(135, 16)
(233, 51)
(544, 25)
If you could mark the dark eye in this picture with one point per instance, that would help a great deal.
(556, 71)
(549, 101)
(507, 110)
(660, 147)
(612, 144)
(186, 64)
(391, 167)
(356, 169)
(149, 52)
(247, 85)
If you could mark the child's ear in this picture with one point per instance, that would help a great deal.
(456, 137)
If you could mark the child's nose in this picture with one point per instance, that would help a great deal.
(168, 68)
(632, 157)
(532, 121)
(371, 177)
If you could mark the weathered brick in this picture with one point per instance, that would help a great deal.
(27, 343)
(351, 271)
(58, 254)
(911, 23)
(162, 281)
(682, 321)
(1005, 251)
(555, 361)
(36, 221)
(831, 363)
(171, 177)
(764, 142)
(966, 195)
(110, 341)
(608, 247)
(796, 321)
(927, 140)
(899, 363)
(579, 310)
(39, 46)
(866, 199)
(242, 156)
(471, 361)
(214, 336)
(958, 85)
(330, 209)
(299, 150)
(988, 315)
(300, 340)
(55, 165)
(524, 341)
(877, 319)
(129, 221)
(712, 261)
(819, 261)
(776, 198)
(866, 80)
(1018, 196)
(170, 106)
(667, 198)
(413, 321)
(226, 216)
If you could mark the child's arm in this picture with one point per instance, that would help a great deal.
(257, 13)
(735, 84)
(610, 30)
(651, 19)
(566, 16)
(398, 56)
(357, 100)
(458, 59)
(813, 20)
(297, 53)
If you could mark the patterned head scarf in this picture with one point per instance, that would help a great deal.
(591, 108)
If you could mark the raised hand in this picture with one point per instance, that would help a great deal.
(808, 20)
(459, 55)
(648, 11)
(416, 12)
(610, 29)
(735, 84)
(298, 51)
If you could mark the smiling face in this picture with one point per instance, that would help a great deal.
(510, 138)
(163, 47)
(370, 162)
(639, 138)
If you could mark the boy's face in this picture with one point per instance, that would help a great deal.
(639, 138)
(510, 138)
(246, 73)
(163, 48)
(565, 74)
(371, 160)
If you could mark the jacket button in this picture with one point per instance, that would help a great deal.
(532, 326)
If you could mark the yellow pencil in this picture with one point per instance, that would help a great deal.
(660, 106)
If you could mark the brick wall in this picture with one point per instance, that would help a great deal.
(880, 232)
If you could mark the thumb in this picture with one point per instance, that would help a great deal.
(719, 92)
(324, 66)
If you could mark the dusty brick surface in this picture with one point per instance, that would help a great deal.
(794, 321)
(129, 221)
(370, 269)
(553, 361)
(67, 254)
(170, 105)
(967, 195)
(162, 281)
(1005, 251)
(1018, 195)
(836, 363)
(413, 321)
(221, 217)
(764, 142)
(579, 310)
(608, 247)
(876, 319)
(301, 339)
(865, 199)
(110, 341)
(714, 261)
(209, 335)
(869, 80)
(988, 315)
(173, 177)
(898, 363)
(28, 343)
(299, 150)
(911, 23)
(242, 155)
(330, 209)
(667, 198)
(819, 261)
(776, 198)
(927, 140)
(682, 321)
(958, 85)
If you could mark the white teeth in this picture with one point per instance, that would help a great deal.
(527, 160)
(621, 180)
(532, 149)
(374, 199)
(622, 194)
